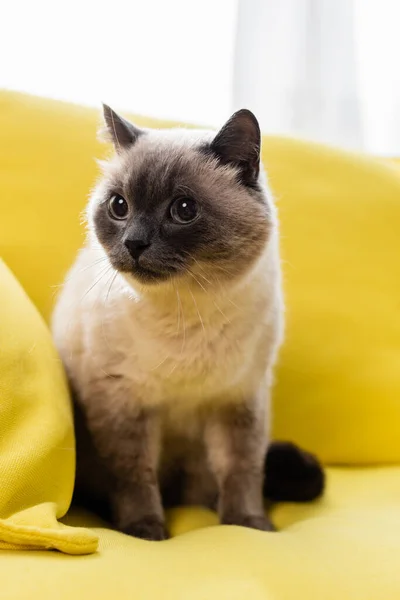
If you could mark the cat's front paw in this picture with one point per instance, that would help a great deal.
(147, 528)
(254, 522)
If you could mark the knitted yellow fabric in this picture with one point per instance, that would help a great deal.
(37, 452)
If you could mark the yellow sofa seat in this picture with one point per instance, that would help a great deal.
(345, 547)
(338, 380)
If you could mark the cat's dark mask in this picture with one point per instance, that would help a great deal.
(174, 202)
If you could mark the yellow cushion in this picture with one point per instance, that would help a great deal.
(338, 381)
(37, 453)
(345, 547)
(338, 384)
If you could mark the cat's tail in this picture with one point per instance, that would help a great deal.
(292, 474)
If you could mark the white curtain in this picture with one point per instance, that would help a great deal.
(323, 69)
(163, 58)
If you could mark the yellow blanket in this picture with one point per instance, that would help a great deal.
(37, 449)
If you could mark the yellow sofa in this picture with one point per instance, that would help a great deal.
(337, 390)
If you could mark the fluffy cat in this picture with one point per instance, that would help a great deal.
(169, 325)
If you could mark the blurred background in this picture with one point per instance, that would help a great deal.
(325, 70)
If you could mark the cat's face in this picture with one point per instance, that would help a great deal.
(177, 202)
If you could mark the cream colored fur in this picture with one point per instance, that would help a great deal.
(184, 344)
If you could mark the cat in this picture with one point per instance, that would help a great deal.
(169, 324)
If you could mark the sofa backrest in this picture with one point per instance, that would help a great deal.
(337, 386)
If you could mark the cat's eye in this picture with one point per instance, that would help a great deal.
(184, 210)
(118, 207)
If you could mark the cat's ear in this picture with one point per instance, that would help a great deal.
(239, 143)
(118, 130)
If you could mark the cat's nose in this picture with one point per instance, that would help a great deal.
(136, 247)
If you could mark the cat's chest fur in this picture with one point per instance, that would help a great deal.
(184, 351)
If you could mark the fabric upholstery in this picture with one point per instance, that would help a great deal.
(337, 386)
(37, 452)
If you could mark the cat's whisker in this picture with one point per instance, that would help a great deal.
(212, 299)
(226, 295)
(172, 370)
(171, 280)
(198, 282)
(183, 334)
(106, 374)
(70, 321)
(286, 262)
(224, 270)
(233, 304)
(200, 318)
(111, 279)
(194, 259)
(198, 312)
(221, 311)
(93, 264)
(104, 272)
(200, 267)
(205, 278)
(183, 322)
(159, 364)
(178, 307)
